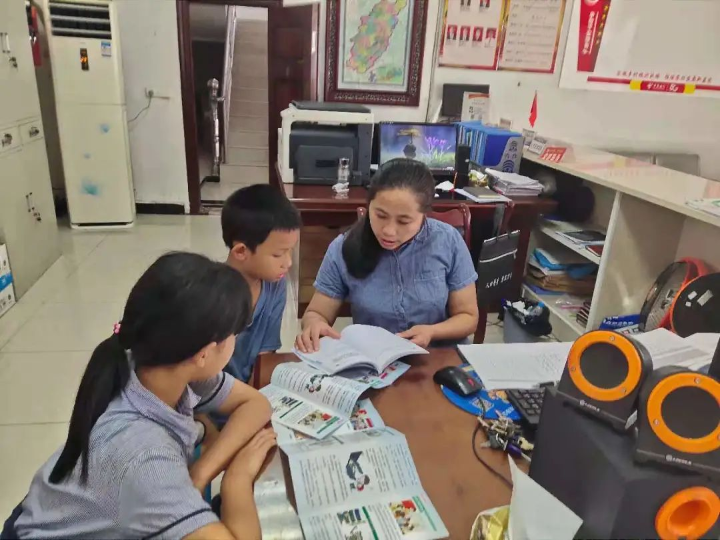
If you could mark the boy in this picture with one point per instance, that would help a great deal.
(260, 227)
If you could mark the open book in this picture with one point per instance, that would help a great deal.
(361, 485)
(364, 416)
(360, 346)
(309, 401)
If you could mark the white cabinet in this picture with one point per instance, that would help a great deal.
(18, 89)
(27, 213)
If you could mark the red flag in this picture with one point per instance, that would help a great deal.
(533, 111)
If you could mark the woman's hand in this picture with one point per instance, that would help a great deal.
(247, 462)
(421, 335)
(308, 340)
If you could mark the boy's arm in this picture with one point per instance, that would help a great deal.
(249, 411)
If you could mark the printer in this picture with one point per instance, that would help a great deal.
(315, 136)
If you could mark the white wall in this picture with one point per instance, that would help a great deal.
(148, 30)
(610, 120)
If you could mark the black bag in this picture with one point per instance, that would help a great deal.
(497, 260)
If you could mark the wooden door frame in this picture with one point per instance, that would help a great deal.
(187, 88)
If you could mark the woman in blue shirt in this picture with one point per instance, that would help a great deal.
(399, 269)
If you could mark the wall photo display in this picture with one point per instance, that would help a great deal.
(374, 51)
(517, 35)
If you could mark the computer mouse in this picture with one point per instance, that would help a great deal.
(457, 380)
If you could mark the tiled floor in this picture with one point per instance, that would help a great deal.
(47, 338)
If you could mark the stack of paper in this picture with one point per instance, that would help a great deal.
(481, 195)
(516, 365)
(514, 185)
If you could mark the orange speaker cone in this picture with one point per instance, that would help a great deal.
(626, 347)
(702, 445)
(688, 514)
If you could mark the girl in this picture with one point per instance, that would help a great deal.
(400, 270)
(124, 470)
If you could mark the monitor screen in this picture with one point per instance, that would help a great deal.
(433, 144)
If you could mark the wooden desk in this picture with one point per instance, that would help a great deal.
(439, 435)
(324, 216)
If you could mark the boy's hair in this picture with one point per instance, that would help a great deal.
(250, 214)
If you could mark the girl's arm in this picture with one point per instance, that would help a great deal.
(317, 322)
(249, 412)
(239, 518)
(463, 320)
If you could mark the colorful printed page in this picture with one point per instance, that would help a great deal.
(361, 485)
(377, 381)
(364, 416)
(309, 401)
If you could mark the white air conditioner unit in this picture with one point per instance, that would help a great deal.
(84, 42)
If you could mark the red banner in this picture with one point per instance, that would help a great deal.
(655, 86)
(593, 16)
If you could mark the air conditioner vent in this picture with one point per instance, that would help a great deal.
(80, 20)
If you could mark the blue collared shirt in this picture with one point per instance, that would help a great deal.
(409, 286)
(263, 333)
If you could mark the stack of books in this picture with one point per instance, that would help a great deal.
(514, 185)
(584, 313)
(560, 272)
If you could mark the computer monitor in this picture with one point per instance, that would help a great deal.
(433, 144)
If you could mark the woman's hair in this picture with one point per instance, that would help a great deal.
(179, 305)
(361, 249)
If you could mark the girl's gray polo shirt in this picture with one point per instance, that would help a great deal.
(138, 483)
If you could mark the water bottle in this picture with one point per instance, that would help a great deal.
(343, 176)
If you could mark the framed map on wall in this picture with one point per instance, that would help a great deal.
(374, 51)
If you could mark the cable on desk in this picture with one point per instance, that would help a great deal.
(477, 454)
(485, 463)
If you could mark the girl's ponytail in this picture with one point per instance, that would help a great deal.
(105, 376)
(182, 303)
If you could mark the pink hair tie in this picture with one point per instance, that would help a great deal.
(116, 328)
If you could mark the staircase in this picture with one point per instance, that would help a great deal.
(247, 159)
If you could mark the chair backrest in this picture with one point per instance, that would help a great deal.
(457, 217)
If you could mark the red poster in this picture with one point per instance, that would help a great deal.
(593, 16)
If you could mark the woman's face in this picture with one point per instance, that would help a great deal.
(395, 217)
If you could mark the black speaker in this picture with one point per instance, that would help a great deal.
(679, 420)
(589, 467)
(462, 166)
(603, 376)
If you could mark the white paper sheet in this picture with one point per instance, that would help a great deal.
(668, 349)
(517, 365)
(535, 514)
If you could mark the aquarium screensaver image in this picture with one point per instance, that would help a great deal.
(434, 145)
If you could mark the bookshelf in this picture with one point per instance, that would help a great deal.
(641, 208)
